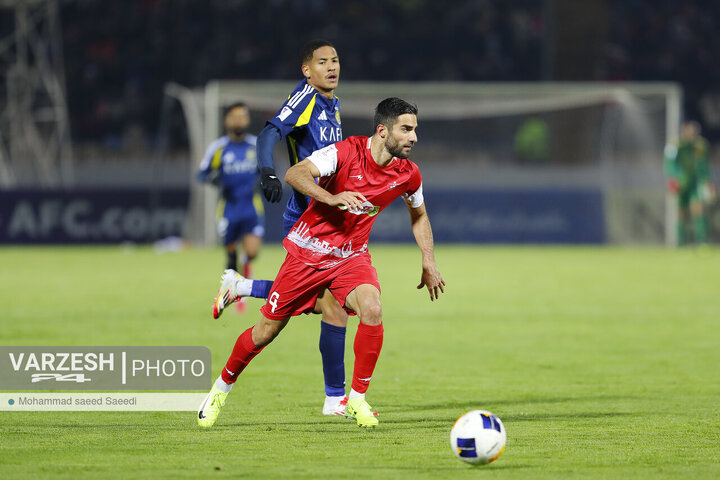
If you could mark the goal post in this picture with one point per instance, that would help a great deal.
(520, 137)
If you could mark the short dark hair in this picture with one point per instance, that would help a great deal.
(306, 54)
(233, 106)
(387, 111)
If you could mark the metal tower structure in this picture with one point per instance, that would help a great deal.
(35, 144)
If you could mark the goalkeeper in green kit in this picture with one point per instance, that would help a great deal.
(686, 166)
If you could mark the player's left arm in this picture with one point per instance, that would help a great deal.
(422, 231)
(707, 189)
(670, 167)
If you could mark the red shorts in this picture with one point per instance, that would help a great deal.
(297, 286)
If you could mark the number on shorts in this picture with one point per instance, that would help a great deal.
(274, 296)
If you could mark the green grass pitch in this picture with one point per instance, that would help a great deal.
(602, 362)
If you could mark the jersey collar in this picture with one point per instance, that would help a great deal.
(320, 96)
(372, 159)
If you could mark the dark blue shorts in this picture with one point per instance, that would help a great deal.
(232, 231)
(289, 220)
(288, 224)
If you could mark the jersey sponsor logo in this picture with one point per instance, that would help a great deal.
(392, 185)
(367, 207)
(322, 116)
(284, 113)
(239, 167)
(232, 164)
(359, 177)
(328, 134)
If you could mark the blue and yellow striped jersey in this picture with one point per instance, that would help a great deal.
(234, 165)
(309, 121)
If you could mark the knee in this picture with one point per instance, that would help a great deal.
(372, 314)
(263, 334)
(334, 315)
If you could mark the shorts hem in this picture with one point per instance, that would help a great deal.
(273, 316)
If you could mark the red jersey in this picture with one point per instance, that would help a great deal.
(324, 236)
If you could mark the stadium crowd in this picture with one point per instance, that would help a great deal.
(118, 55)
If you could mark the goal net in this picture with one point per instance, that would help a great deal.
(508, 162)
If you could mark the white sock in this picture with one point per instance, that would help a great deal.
(222, 386)
(244, 287)
(354, 394)
(334, 399)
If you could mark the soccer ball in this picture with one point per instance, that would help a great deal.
(478, 437)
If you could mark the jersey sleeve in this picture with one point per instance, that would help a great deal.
(414, 193)
(703, 165)
(329, 159)
(325, 159)
(296, 111)
(211, 162)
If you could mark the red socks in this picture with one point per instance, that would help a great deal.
(243, 351)
(368, 343)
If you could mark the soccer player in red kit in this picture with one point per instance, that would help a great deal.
(328, 248)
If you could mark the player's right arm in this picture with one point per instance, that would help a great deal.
(294, 114)
(670, 167)
(322, 163)
(301, 177)
(269, 182)
(209, 170)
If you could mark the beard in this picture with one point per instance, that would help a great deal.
(395, 149)
(238, 131)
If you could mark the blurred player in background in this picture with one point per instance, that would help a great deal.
(230, 163)
(687, 169)
(328, 249)
(308, 120)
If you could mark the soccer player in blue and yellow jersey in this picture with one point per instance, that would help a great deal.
(230, 163)
(308, 120)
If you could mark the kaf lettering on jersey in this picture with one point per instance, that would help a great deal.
(330, 134)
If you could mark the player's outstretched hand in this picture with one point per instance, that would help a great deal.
(271, 186)
(348, 200)
(432, 279)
